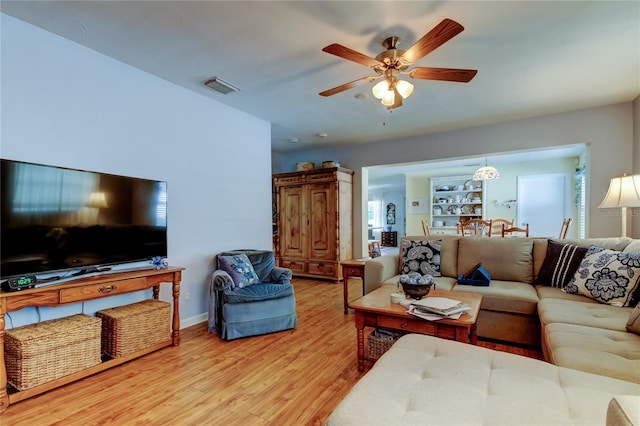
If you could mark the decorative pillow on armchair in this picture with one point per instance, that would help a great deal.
(422, 256)
(239, 268)
(607, 276)
(560, 263)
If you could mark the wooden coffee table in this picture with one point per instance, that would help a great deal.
(376, 310)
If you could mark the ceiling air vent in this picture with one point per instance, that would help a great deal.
(220, 85)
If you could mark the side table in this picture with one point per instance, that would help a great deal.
(351, 268)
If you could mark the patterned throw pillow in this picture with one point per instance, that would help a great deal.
(239, 268)
(607, 276)
(422, 256)
(560, 263)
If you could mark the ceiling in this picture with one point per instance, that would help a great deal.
(532, 57)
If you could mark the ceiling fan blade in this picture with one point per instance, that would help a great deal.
(444, 74)
(348, 86)
(351, 55)
(440, 34)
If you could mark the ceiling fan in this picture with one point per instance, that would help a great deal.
(394, 62)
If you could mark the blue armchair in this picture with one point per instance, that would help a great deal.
(264, 307)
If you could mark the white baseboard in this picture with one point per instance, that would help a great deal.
(188, 322)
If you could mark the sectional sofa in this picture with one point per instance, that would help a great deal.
(593, 359)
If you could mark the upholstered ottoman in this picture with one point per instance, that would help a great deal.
(426, 380)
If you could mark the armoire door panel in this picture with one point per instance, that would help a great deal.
(292, 240)
(322, 226)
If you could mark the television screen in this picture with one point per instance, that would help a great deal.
(56, 219)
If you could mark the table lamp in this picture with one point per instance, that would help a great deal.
(624, 191)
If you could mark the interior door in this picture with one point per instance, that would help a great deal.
(292, 239)
(543, 202)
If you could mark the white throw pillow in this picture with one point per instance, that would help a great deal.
(607, 276)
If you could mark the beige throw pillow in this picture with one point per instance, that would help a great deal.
(506, 259)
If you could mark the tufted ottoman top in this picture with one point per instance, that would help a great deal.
(427, 380)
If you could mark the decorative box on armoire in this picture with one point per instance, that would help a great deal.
(314, 223)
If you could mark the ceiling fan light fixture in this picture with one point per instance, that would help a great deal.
(393, 62)
(389, 98)
(380, 89)
(404, 88)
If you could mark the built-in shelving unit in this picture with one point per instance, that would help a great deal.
(454, 199)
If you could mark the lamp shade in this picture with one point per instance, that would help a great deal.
(486, 173)
(404, 88)
(389, 98)
(380, 89)
(97, 200)
(624, 191)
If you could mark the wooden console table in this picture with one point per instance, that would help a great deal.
(80, 290)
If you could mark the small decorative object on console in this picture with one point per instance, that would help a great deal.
(304, 166)
(416, 286)
(330, 164)
(159, 262)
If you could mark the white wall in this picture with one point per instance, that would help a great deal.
(66, 105)
(608, 129)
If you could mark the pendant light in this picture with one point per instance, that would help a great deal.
(486, 172)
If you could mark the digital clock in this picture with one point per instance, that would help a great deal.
(20, 283)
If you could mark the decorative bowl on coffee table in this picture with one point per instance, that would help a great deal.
(415, 285)
(416, 291)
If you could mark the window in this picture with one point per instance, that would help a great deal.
(374, 212)
(371, 214)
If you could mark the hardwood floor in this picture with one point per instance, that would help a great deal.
(294, 377)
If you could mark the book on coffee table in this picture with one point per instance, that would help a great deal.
(442, 306)
(429, 316)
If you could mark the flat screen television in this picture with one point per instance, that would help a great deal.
(58, 222)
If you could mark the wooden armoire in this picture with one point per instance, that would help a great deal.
(313, 217)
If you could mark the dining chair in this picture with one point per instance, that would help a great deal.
(514, 229)
(425, 227)
(564, 228)
(475, 227)
(498, 224)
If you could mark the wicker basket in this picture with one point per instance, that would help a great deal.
(36, 354)
(379, 341)
(131, 328)
(305, 166)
